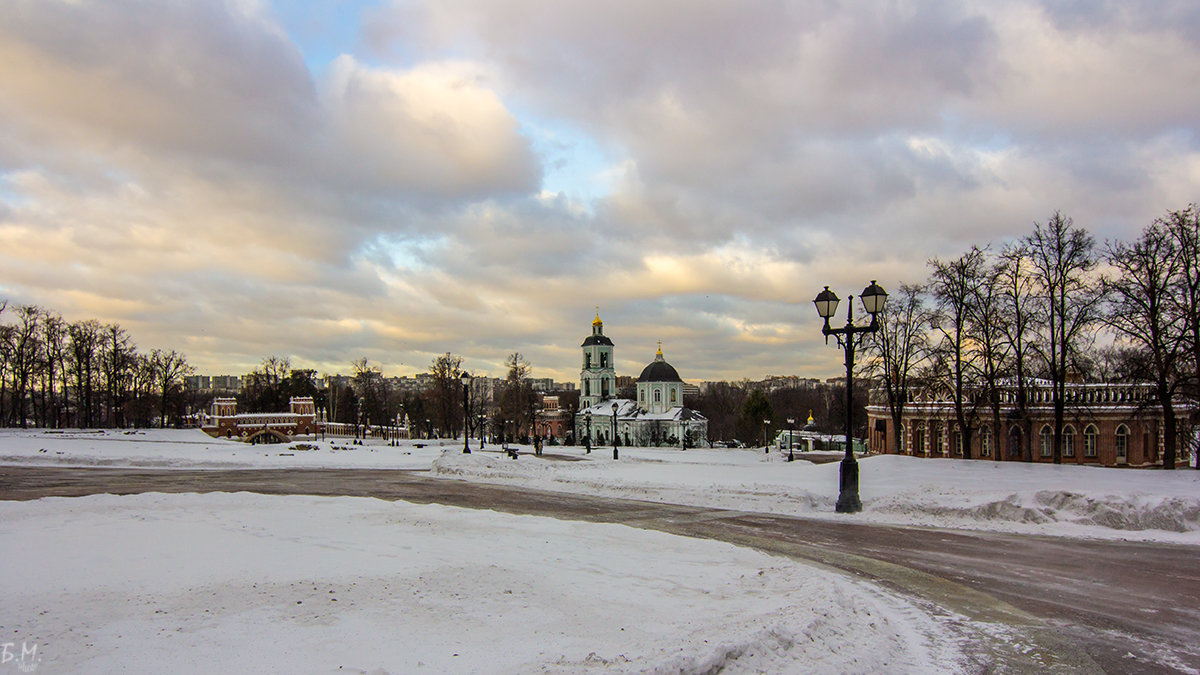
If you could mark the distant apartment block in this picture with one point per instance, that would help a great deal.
(210, 383)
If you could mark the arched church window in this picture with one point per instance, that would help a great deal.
(658, 396)
(1089, 441)
(1047, 441)
(672, 395)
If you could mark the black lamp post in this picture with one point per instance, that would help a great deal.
(466, 383)
(766, 445)
(614, 431)
(873, 298)
(482, 428)
(587, 417)
(791, 442)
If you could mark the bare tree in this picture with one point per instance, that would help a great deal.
(1064, 259)
(263, 389)
(1019, 324)
(1184, 229)
(83, 354)
(54, 335)
(985, 326)
(517, 399)
(1183, 226)
(898, 350)
(446, 391)
(1139, 310)
(23, 352)
(952, 285)
(371, 391)
(116, 363)
(169, 369)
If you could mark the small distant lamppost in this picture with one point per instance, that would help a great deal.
(482, 428)
(587, 417)
(791, 442)
(466, 383)
(428, 429)
(614, 430)
(826, 301)
(766, 444)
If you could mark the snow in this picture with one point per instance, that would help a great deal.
(157, 583)
(246, 583)
(1064, 500)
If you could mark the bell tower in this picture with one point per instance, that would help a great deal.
(598, 378)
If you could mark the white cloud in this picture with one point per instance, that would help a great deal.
(178, 168)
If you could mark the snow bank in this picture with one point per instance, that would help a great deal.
(250, 583)
(193, 449)
(1077, 501)
(1065, 500)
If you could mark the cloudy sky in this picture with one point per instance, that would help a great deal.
(329, 180)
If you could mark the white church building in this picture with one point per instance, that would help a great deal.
(656, 417)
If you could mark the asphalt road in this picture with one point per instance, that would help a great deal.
(1024, 603)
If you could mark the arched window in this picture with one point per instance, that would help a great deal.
(903, 439)
(985, 441)
(919, 438)
(1089, 440)
(603, 359)
(1068, 441)
(1047, 441)
(658, 396)
(1122, 443)
(587, 360)
(958, 442)
(672, 395)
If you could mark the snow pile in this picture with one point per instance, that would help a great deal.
(249, 583)
(1122, 512)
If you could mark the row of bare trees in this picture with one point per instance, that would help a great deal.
(991, 320)
(55, 373)
(436, 410)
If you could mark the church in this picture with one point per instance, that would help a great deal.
(656, 417)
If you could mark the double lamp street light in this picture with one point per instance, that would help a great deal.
(873, 298)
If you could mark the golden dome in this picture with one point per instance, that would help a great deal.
(597, 321)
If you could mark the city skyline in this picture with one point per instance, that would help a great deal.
(332, 181)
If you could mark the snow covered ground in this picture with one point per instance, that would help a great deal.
(1146, 505)
(240, 583)
(249, 583)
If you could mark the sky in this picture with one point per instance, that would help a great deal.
(394, 180)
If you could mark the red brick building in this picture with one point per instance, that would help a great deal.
(1105, 424)
(226, 422)
(552, 421)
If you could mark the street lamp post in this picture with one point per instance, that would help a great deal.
(587, 417)
(766, 444)
(466, 383)
(615, 431)
(826, 301)
(791, 442)
(482, 428)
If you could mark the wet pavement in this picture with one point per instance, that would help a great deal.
(1027, 603)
